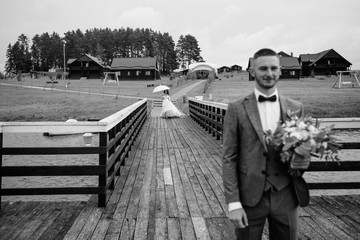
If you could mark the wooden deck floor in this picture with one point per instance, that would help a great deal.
(170, 188)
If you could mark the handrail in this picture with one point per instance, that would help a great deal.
(210, 116)
(116, 136)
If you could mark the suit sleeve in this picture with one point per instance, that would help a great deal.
(231, 142)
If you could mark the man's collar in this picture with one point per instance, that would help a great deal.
(258, 93)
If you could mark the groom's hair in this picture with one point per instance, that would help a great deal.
(265, 52)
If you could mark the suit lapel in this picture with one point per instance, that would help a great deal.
(283, 108)
(254, 116)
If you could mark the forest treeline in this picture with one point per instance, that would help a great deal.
(46, 51)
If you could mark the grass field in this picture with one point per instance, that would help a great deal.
(22, 104)
(25, 104)
(317, 94)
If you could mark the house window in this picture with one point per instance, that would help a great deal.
(128, 73)
(292, 73)
(137, 73)
(87, 64)
(147, 73)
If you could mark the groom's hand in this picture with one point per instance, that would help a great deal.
(239, 218)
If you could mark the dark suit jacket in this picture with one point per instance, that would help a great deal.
(244, 149)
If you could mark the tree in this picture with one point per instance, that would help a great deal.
(19, 56)
(46, 52)
(188, 50)
(165, 51)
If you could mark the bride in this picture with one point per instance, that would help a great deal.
(168, 108)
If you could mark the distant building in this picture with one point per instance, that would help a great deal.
(236, 68)
(323, 63)
(289, 67)
(224, 69)
(136, 68)
(86, 66)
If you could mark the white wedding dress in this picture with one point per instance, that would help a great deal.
(168, 108)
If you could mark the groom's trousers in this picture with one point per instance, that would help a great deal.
(280, 208)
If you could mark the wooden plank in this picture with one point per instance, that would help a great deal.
(197, 163)
(13, 220)
(305, 224)
(160, 188)
(83, 170)
(67, 224)
(49, 221)
(55, 228)
(33, 225)
(24, 221)
(9, 211)
(204, 206)
(171, 205)
(187, 228)
(192, 203)
(173, 228)
(161, 229)
(152, 204)
(133, 204)
(123, 203)
(128, 229)
(182, 205)
(201, 231)
(144, 205)
(80, 222)
(325, 226)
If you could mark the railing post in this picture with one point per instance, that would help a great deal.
(103, 177)
(1, 158)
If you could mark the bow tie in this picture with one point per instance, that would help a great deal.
(271, 99)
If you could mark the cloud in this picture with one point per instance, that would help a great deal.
(141, 17)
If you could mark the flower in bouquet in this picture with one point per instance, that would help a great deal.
(299, 138)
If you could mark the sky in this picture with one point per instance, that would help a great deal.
(228, 31)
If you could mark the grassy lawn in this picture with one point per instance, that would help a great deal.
(317, 94)
(23, 104)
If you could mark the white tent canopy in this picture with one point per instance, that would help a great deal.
(203, 66)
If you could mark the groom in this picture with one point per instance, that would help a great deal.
(257, 184)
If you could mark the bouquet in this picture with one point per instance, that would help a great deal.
(300, 138)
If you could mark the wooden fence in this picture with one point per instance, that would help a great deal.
(116, 135)
(210, 116)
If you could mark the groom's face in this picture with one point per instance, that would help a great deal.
(266, 71)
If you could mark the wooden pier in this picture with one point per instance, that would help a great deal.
(169, 188)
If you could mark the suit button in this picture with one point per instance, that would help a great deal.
(276, 174)
(263, 172)
(265, 154)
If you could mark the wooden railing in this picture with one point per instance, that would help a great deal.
(210, 116)
(116, 135)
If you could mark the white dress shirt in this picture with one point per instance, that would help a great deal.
(270, 117)
(269, 111)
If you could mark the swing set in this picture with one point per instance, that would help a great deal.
(347, 78)
(108, 79)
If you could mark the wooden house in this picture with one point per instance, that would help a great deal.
(135, 68)
(224, 69)
(86, 66)
(236, 68)
(323, 63)
(289, 68)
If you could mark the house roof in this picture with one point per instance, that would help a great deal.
(235, 65)
(133, 63)
(313, 58)
(223, 67)
(285, 63)
(283, 54)
(94, 59)
(71, 60)
(289, 62)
